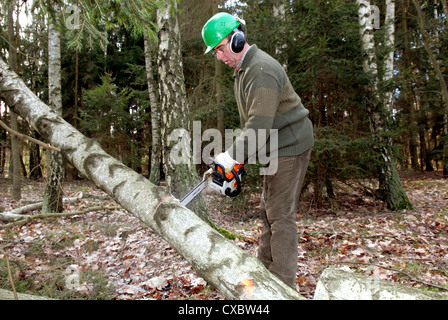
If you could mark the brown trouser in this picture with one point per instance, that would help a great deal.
(279, 240)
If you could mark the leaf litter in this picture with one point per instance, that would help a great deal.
(115, 257)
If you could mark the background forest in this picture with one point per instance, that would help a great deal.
(356, 109)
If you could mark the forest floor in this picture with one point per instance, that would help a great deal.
(108, 254)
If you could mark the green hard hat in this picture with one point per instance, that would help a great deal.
(217, 28)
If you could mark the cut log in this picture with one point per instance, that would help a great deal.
(336, 284)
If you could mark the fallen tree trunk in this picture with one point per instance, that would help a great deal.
(18, 213)
(336, 284)
(28, 218)
(235, 273)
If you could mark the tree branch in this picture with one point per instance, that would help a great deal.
(22, 136)
(56, 215)
(16, 214)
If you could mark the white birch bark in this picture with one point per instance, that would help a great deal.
(181, 176)
(389, 41)
(53, 190)
(379, 105)
(368, 44)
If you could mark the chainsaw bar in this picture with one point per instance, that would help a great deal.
(194, 192)
(227, 183)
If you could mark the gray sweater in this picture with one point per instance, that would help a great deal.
(266, 100)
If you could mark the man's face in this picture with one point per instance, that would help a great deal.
(223, 53)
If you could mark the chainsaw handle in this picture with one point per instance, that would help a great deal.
(219, 176)
(237, 191)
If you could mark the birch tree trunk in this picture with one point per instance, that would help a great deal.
(389, 41)
(235, 273)
(379, 104)
(154, 166)
(55, 175)
(368, 43)
(180, 172)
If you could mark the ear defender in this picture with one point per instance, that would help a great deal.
(237, 42)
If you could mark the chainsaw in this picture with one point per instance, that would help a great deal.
(226, 182)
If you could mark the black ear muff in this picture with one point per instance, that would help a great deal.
(237, 42)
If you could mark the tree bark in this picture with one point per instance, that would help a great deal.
(53, 190)
(335, 284)
(17, 214)
(154, 166)
(220, 262)
(175, 110)
(389, 41)
(15, 146)
(380, 108)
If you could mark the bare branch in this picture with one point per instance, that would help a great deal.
(22, 136)
(57, 215)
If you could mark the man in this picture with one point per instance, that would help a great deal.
(266, 100)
